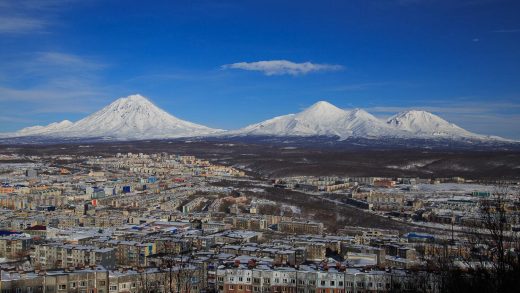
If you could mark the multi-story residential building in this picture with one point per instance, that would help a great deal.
(306, 279)
(132, 253)
(88, 281)
(57, 255)
(99, 280)
(300, 227)
(15, 246)
(249, 223)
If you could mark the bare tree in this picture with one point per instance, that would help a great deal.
(493, 261)
(148, 282)
(497, 246)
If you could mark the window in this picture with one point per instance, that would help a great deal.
(240, 279)
(231, 287)
(285, 281)
(340, 283)
(322, 283)
(332, 283)
(240, 287)
(113, 288)
(82, 284)
(62, 287)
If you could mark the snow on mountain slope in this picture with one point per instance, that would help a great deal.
(135, 117)
(322, 119)
(132, 117)
(325, 119)
(425, 124)
(42, 130)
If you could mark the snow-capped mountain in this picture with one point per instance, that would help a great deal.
(44, 130)
(321, 119)
(135, 117)
(325, 119)
(425, 124)
(132, 117)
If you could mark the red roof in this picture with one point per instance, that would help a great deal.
(37, 227)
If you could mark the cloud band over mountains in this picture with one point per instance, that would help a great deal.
(282, 67)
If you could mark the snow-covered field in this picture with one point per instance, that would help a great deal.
(455, 187)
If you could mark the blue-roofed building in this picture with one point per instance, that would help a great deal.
(419, 237)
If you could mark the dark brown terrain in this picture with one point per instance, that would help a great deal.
(277, 159)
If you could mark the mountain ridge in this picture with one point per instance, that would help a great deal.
(135, 118)
(325, 119)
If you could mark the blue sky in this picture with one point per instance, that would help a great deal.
(200, 60)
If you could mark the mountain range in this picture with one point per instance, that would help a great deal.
(135, 118)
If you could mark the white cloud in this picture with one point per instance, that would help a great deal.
(11, 25)
(48, 65)
(50, 82)
(507, 31)
(281, 67)
(30, 16)
(66, 60)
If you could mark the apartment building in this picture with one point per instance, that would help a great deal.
(300, 227)
(15, 246)
(131, 253)
(58, 255)
(249, 223)
(82, 281)
(99, 280)
(307, 279)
